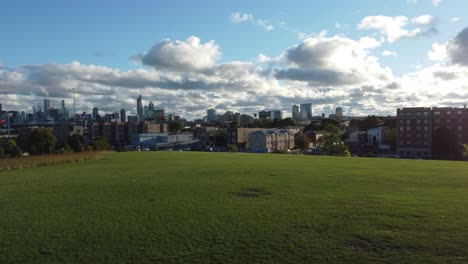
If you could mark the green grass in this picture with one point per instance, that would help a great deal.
(160, 207)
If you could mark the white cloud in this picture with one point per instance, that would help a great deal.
(189, 55)
(326, 71)
(436, 2)
(238, 18)
(423, 20)
(332, 61)
(433, 2)
(438, 52)
(369, 43)
(394, 28)
(388, 53)
(455, 19)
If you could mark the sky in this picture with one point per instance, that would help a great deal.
(366, 56)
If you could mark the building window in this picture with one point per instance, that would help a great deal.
(408, 128)
(460, 128)
(425, 113)
(436, 113)
(408, 122)
(418, 121)
(437, 121)
(449, 112)
(426, 128)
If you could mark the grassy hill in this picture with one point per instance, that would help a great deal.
(159, 207)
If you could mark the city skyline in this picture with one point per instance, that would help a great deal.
(364, 57)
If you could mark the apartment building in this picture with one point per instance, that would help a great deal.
(424, 132)
(270, 140)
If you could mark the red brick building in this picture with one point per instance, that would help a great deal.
(424, 132)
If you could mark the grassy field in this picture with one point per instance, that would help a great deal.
(160, 207)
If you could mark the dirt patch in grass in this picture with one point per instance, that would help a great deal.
(252, 192)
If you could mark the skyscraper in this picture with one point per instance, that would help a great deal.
(139, 106)
(123, 115)
(295, 112)
(306, 111)
(95, 113)
(46, 108)
(151, 106)
(276, 114)
(211, 115)
(339, 113)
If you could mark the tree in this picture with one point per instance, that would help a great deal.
(301, 141)
(174, 126)
(42, 141)
(2, 153)
(74, 142)
(289, 122)
(329, 122)
(232, 148)
(390, 137)
(370, 122)
(465, 151)
(312, 127)
(331, 144)
(99, 144)
(11, 149)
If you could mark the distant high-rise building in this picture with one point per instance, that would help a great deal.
(0, 107)
(95, 113)
(306, 111)
(123, 115)
(276, 114)
(139, 107)
(295, 112)
(151, 106)
(211, 115)
(339, 113)
(46, 107)
(264, 115)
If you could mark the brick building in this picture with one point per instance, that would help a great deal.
(424, 132)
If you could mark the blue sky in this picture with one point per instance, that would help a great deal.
(109, 33)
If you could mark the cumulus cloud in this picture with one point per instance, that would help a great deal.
(189, 55)
(237, 18)
(326, 71)
(436, 2)
(455, 19)
(369, 43)
(433, 2)
(331, 61)
(457, 48)
(438, 52)
(395, 28)
(388, 53)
